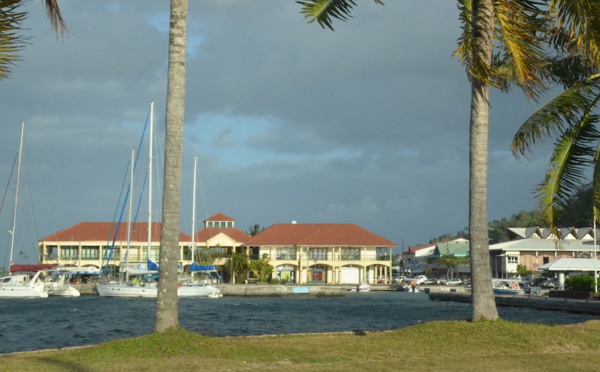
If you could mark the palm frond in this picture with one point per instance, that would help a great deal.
(557, 116)
(577, 23)
(519, 24)
(572, 154)
(323, 11)
(56, 19)
(10, 42)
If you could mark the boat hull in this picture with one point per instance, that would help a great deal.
(22, 286)
(125, 290)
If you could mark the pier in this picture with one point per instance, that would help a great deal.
(586, 306)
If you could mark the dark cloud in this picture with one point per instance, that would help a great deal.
(367, 124)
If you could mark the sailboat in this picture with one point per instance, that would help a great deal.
(21, 283)
(141, 280)
(195, 286)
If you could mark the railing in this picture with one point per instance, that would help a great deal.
(286, 257)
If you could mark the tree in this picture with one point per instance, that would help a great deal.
(571, 116)
(167, 307)
(239, 266)
(512, 24)
(254, 229)
(11, 43)
(261, 268)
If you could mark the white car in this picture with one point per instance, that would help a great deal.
(419, 279)
(453, 281)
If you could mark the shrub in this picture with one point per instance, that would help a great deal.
(583, 283)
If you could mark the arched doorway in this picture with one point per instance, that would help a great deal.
(317, 274)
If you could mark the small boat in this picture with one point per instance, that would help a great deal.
(507, 287)
(364, 287)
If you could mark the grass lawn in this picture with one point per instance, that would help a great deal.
(435, 346)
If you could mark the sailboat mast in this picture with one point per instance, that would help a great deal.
(12, 232)
(130, 214)
(150, 181)
(194, 212)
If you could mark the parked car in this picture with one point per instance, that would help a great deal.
(399, 279)
(431, 281)
(419, 279)
(453, 281)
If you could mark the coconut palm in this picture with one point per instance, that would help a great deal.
(11, 18)
(254, 229)
(511, 26)
(571, 117)
(167, 307)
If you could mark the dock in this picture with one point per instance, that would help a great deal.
(585, 306)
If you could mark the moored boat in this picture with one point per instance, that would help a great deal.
(507, 287)
(57, 283)
(22, 285)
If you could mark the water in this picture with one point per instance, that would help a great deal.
(55, 322)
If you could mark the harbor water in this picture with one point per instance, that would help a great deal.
(57, 322)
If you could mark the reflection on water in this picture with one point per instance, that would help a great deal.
(61, 322)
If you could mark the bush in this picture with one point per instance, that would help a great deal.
(583, 283)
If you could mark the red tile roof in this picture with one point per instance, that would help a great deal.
(318, 234)
(210, 232)
(105, 231)
(219, 217)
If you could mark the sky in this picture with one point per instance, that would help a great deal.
(289, 122)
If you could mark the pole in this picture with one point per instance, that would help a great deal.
(150, 140)
(14, 225)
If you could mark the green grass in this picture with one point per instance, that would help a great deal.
(435, 346)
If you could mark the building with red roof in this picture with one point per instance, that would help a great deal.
(104, 243)
(324, 253)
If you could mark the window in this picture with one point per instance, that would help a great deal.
(512, 259)
(90, 253)
(286, 253)
(69, 252)
(350, 254)
(546, 260)
(115, 255)
(383, 254)
(317, 254)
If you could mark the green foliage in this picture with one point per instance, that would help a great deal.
(254, 229)
(451, 263)
(522, 270)
(261, 268)
(206, 256)
(237, 266)
(581, 283)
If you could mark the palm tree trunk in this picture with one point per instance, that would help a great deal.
(167, 307)
(484, 304)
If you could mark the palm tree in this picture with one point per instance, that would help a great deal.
(513, 24)
(255, 229)
(10, 23)
(167, 307)
(572, 117)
